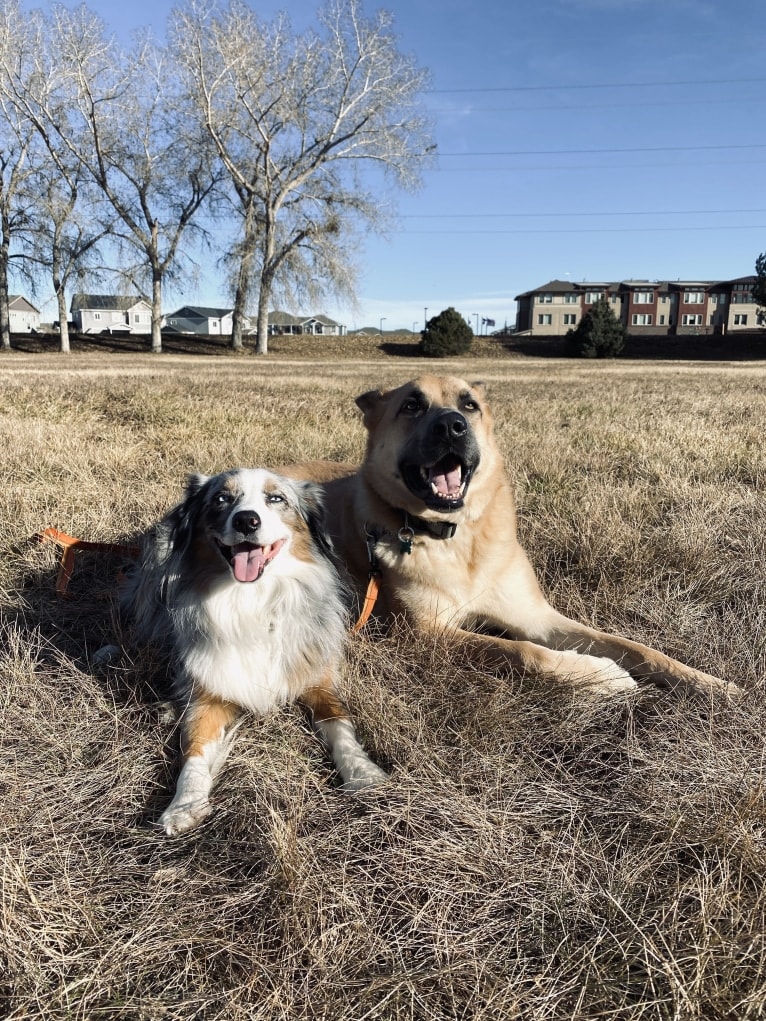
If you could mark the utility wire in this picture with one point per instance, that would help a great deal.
(601, 85)
(596, 230)
(637, 212)
(571, 152)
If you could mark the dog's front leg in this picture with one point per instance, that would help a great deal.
(333, 724)
(205, 743)
(595, 674)
(641, 661)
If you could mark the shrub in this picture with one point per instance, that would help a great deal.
(599, 334)
(446, 334)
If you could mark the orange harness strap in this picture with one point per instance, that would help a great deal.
(370, 598)
(70, 545)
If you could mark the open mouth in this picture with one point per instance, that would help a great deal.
(248, 560)
(441, 486)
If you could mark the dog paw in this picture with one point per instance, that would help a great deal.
(596, 674)
(363, 776)
(178, 818)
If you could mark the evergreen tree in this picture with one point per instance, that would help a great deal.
(446, 334)
(599, 334)
(759, 291)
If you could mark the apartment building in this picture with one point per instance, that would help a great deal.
(648, 308)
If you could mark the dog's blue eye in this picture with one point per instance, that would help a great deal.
(274, 498)
(222, 499)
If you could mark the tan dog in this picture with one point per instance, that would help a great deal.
(432, 510)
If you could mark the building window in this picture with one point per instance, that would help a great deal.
(643, 297)
(591, 296)
(96, 315)
(569, 319)
(691, 320)
(571, 299)
(718, 299)
(664, 299)
(545, 299)
(741, 297)
(544, 319)
(740, 320)
(642, 319)
(661, 320)
(694, 297)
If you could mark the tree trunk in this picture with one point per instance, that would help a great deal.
(60, 292)
(5, 317)
(241, 292)
(63, 322)
(156, 312)
(262, 336)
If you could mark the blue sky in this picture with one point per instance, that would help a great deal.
(578, 139)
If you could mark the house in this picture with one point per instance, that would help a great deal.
(202, 320)
(108, 313)
(22, 314)
(647, 308)
(283, 323)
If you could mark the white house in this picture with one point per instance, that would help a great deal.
(109, 313)
(202, 320)
(285, 323)
(23, 315)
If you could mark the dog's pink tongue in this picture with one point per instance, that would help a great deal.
(447, 482)
(247, 561)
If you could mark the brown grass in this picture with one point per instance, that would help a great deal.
(537, 856)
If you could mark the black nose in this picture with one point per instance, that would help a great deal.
(246, 521)
(450, 425)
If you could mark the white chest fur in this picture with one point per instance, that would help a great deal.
(251, 643)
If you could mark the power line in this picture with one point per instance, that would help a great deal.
(596, 230)
(638, 212)
(601, 85)
(642, 105)
(590, 167)
(572, 152)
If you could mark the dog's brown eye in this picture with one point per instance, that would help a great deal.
(470, 406)
(411, 406)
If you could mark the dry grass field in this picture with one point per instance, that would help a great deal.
(537, 855)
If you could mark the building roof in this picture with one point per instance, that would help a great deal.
(287, 319)
(19, 302)
(569, 286)
(201, 312)
(108, 302)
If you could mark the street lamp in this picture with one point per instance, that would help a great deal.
(425, 317)
(415, 326)
(382, 320)
(476, 317)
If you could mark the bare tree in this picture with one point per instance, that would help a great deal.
(292, 117)
(17, 167)
(66, 234)
(65, 227)
(118, 114)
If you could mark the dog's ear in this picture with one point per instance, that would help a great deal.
(368, 403)
(479, 385)
(178, 523)
(311, 509)
(195, 482)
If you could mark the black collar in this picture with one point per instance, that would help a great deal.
(441, 529)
